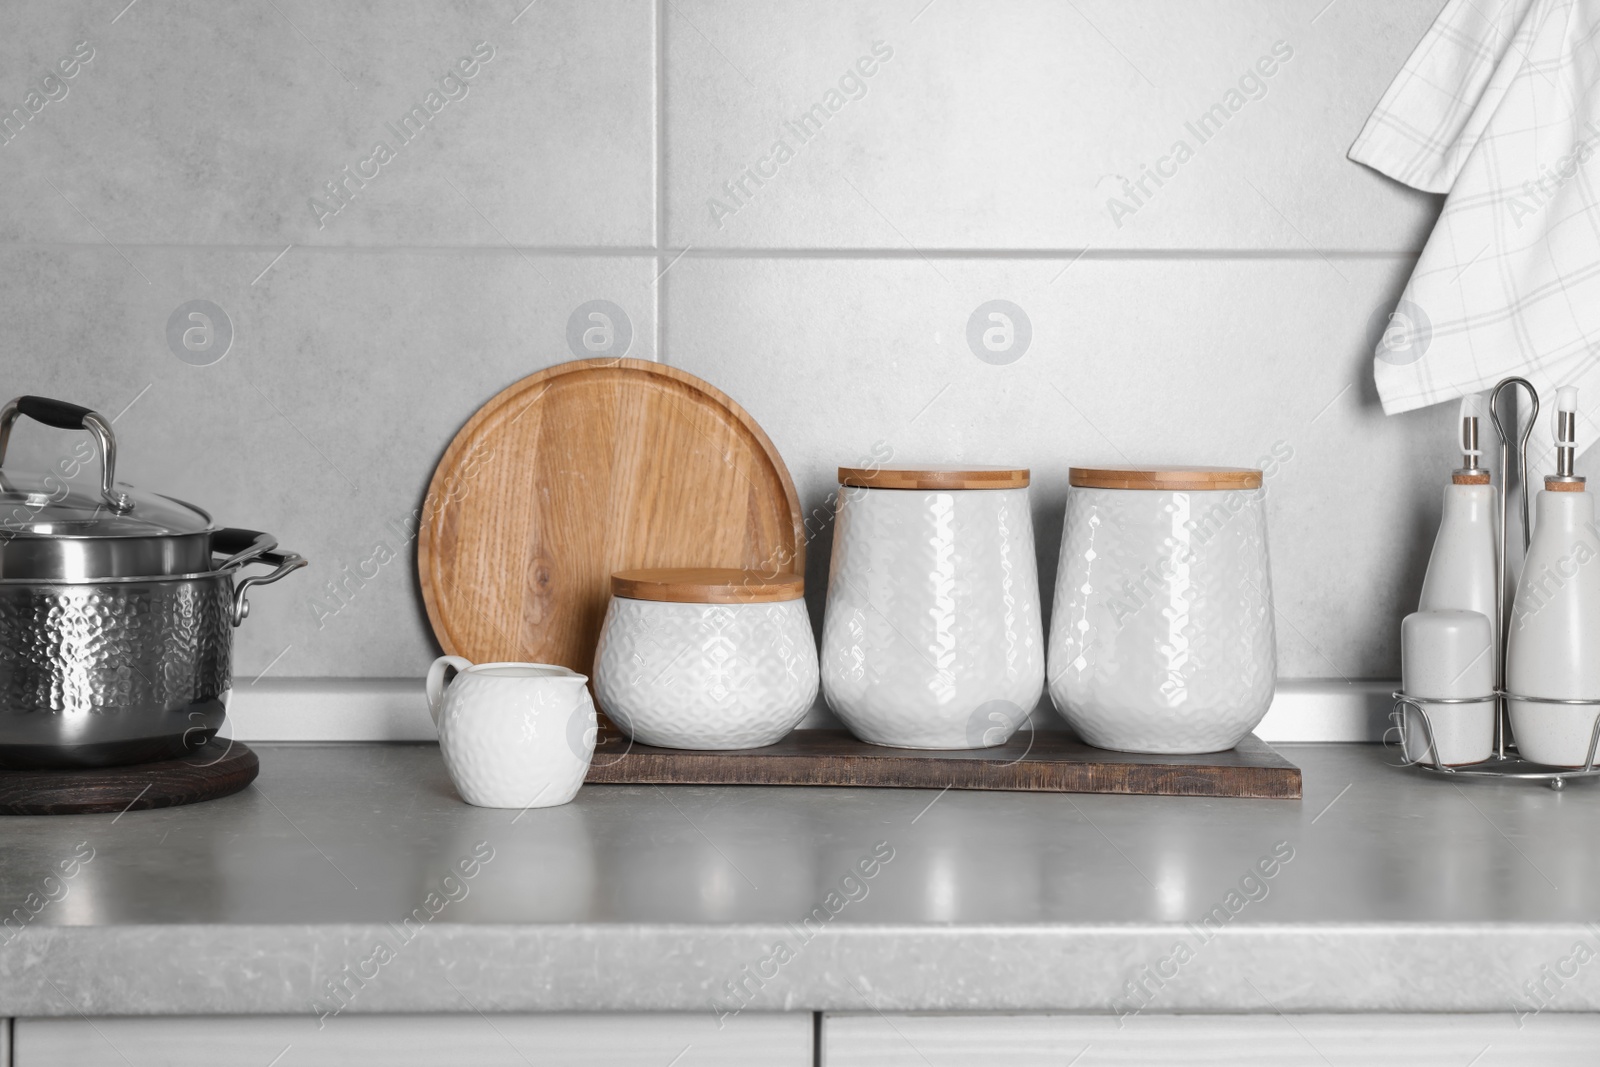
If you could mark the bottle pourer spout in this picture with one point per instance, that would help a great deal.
(1566, 428)
(1471, 411)
(1565, 425)
(1472, 471)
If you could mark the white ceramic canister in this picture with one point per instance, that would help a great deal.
(1161, 638)
(706, 658)
(932, 635)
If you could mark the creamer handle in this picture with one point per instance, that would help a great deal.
(435, 682)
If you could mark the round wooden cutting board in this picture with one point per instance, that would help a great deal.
(583, 469)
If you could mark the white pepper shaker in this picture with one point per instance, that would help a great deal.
(1448, 654)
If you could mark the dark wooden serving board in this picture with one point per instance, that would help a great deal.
(216, 769)
(1048, 761)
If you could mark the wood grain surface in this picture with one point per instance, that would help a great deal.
(707, 585)
(580, 471)
(1169, 479)
(967, 477)
(217, 769)
(1049, 761)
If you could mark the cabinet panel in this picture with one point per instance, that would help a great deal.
(1502, 1040)
(401, 1040)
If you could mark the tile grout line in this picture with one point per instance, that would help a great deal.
(662, 252)
(660, 190)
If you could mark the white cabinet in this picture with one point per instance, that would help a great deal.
(749, 1040)
(848, 1040)
(1500, 1040)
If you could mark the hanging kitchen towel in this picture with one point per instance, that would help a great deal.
(1499, 107)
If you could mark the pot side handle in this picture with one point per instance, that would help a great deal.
(240, 546)
(284, 561)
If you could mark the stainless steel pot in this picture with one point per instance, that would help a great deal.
(117, 611)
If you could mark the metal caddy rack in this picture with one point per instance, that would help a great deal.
(1504, 762)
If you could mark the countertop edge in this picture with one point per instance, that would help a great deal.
(1118, 969)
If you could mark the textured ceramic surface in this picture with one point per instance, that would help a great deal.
(513, 735)
(707, 676)
(1162, 635)
(932, 636)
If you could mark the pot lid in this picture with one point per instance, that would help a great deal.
(960, 476)
(1166, 479)
(37, 507)
(34, 505)
(707, 585)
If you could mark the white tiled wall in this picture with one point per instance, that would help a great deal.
(958, 152)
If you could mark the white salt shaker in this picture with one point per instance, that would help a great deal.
(1448, 654)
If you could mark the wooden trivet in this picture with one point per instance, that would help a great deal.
(217, 769)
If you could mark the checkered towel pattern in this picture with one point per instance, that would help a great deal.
(1499, 107)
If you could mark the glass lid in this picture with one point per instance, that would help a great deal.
(33, 505)
(36, 507)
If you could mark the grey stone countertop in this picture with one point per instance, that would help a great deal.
(351, 878)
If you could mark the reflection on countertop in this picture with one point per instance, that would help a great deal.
(362, 833)
(337, 841)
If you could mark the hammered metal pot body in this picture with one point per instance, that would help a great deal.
(1161, 637)
(932, 636)
(706, 676)
(104, 673)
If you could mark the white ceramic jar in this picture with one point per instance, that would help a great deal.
(932, 635)
(1161, 638)
(706, 658)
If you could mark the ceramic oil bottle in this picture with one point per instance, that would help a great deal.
(1555, 617)
(1461, 571)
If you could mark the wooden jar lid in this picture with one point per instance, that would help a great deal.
(707, 585)
(1170, 479)
(965, 477)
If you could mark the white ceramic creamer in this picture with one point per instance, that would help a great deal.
(513, 735)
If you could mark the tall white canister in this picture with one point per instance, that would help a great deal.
(932, 636)
(1161, 638)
